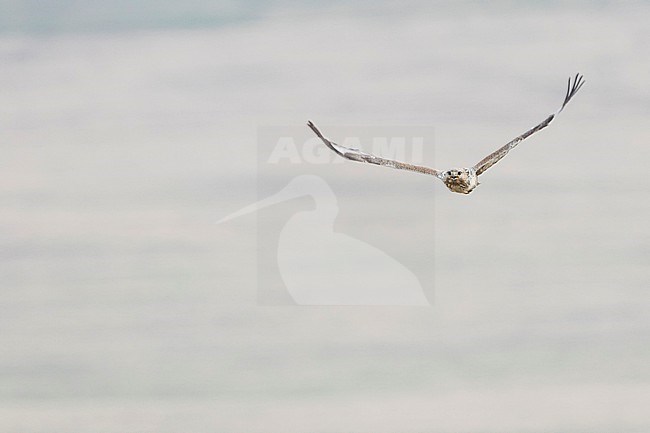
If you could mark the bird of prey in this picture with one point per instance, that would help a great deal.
(460, 180)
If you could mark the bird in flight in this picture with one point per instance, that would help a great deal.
(460, 180)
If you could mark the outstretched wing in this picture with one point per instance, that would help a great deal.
(359, 156)
(494, 157)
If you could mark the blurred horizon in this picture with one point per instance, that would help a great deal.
(70, 16)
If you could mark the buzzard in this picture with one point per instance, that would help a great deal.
(460, 180)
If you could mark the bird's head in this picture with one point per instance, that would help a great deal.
(462, 180)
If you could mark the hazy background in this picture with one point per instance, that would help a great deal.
(129, 127)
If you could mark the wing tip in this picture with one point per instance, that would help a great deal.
(573, 86)
(315, 129)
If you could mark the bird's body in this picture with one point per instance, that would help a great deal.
(459, 180)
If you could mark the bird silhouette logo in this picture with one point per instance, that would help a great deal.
(322, 267)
